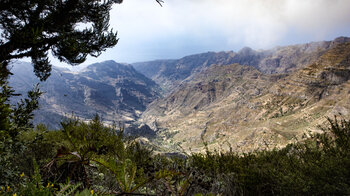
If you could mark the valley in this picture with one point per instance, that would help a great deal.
(237, 107)
(241, 101)
(174, 98)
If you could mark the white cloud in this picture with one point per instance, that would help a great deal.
(181, 27)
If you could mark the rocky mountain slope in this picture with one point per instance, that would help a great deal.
(170, 73)
(244, 108)
(115, 91)
(241, 101)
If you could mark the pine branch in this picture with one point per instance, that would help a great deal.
(160, 2)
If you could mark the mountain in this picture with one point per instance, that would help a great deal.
(244, 101)
(170, 73)
(245, 108)
(115, 91)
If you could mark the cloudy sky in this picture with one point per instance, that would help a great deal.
(182, 27)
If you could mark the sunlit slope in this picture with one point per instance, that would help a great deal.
(239, 107)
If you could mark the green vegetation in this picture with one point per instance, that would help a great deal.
(30, 28)
(319, 165)
(91, 159)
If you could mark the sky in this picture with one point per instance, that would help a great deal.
(148, 31)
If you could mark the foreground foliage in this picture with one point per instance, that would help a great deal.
(91, 159)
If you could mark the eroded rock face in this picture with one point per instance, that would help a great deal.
(115, 91)
(241, 108)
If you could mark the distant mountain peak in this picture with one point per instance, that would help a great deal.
(245, 51)
(116, 91)
(341, 39)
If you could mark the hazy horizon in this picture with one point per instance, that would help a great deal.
(180, 28)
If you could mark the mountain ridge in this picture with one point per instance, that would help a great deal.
(115, 91)
(244, 101)
(245, 109)
(286, 59)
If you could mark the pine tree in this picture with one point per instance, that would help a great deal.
(30, 28)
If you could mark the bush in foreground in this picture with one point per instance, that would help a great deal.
(88, 158)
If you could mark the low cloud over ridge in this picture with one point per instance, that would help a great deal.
(148, 31)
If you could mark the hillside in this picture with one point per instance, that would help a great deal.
(244, 101)
(170, 73)
(240, 107)
(115, 91)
